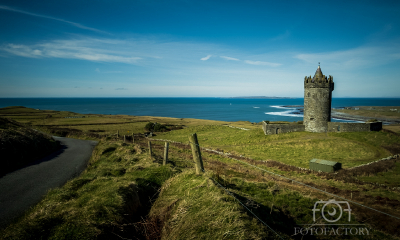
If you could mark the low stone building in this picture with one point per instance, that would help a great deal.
(282, 128)
(317, 111)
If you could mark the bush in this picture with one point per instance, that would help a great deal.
(159, 128)
(149, 126)
(155, 127)
(266, 121)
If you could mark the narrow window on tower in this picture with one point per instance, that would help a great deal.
(311, 119)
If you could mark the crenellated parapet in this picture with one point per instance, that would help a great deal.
(318, 81)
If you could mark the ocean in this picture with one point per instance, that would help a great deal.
(224, 109)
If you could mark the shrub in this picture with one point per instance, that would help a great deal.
(155, 127)
(159, 128)
(149, 126)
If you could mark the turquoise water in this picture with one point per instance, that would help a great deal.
(224, 109)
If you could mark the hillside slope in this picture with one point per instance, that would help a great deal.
(20, 145)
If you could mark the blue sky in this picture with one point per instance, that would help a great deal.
(186, 48)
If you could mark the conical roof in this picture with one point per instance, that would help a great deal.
(318, 74)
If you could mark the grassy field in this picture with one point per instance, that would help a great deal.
(392, 112)
(394, 128)
(124, 193)
(351, 149)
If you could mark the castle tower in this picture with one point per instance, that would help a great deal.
(317, 101)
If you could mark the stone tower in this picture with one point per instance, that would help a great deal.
(317, 101)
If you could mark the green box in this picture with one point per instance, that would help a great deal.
(324, 165)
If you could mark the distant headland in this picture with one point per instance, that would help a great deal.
(258, 97)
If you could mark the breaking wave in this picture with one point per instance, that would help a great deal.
(290, 112)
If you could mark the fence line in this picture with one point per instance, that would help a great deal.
(317, 189)
(227, 191)
(295, 181)
(199, 168)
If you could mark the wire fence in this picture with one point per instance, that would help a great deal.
(228, 192)
(281, 176)
(295, 181)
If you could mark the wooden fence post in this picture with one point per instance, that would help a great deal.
(150, 152)
(196, 153)
(166, 153)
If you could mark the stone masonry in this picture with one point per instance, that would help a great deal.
(317, 102)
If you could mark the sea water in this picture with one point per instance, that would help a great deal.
(224, 109)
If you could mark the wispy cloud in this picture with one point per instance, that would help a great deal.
(78, 25)
(22, 51)
(205, 58)
(262, 63)
(70, 49)
(121, 89)
(365, 56)
(229, 58)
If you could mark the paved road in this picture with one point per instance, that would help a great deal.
(25, 187)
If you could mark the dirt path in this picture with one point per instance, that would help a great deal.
(25, 187)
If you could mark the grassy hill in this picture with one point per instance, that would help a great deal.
(20, 145)
(127, 194)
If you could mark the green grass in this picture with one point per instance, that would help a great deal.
(103, 201)
(196, 208)
(390, 178)
(373, 112)
(20, 145)
(351, 149)
(111, 192)
(109, 129)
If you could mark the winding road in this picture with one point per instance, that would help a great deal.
(25, 187)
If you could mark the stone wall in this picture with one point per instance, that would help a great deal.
(282, 128)
(354, 127)
(332, 127)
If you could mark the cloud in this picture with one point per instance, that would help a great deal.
(78, 25)
(365, 56)
(23, 51)
(229, 58)
(262, 63)
(205, 58)
(121, 89)
(70, 49)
